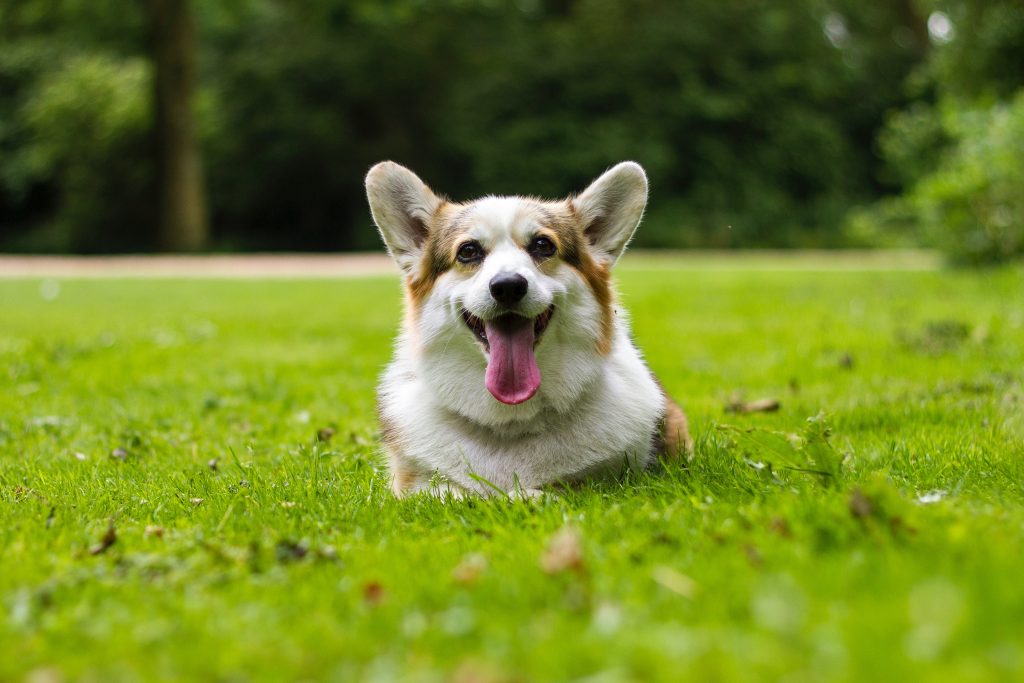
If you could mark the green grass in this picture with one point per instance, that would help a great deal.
(290, 560)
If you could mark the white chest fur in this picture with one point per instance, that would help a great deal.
(596, 422)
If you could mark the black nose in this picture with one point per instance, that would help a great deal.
(508, 289)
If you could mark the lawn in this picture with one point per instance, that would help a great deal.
(191, 489)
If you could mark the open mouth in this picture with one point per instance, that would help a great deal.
(479, 329)
(512, 375)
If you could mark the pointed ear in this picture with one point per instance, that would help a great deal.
(611, 208)
(402, 206)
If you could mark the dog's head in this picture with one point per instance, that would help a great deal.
(507, 289)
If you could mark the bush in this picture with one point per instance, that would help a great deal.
(88, 126)
(972, 206)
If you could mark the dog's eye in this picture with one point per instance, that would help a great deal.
(470, 252)
(541, 247)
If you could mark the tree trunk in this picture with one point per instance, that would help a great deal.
(181, 199)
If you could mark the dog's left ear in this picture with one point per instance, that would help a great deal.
(402, 207)
(611, 208)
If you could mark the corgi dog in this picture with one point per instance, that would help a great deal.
(515, 368)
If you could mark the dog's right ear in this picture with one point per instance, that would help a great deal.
(402, 207)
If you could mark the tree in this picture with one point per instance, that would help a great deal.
(181, 196)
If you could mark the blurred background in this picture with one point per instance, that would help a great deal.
(248, 125)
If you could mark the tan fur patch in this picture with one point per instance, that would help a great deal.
(388, 431)
(403, 479)
(438, 252)
(597, 274)
(673, 440)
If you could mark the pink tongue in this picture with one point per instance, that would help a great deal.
(512, 373)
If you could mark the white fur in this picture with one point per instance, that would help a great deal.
(594, 414)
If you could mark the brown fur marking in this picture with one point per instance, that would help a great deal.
(403, 478)
(596, 274)
(438, 252)
(672, 440)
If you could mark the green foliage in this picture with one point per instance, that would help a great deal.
(968, 202)
(957, 152)
(93, 194)
(755, 128)
(92, 113)
(250, 544)
(983, 60)
(807, 453)
(972, 206)
(912, 142)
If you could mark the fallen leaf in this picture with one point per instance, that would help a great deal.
(678, 583)
(289, 551)
(47, 674)
(762, 405)
(468, 571)
(781, 527)
(472, 671)
(373, 593)
(753, 554)
(860, 505)
(108, 539)
(564, 552)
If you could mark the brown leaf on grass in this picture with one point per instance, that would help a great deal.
(153, 530)
(468, 571)
(373, 593)
(474, 671)
(46, 674)
(675, 581)
(780, 527)
(753, 555)
(564, 552)
(860, 505)
(761, 405)
(290, 551)
(108, 539)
